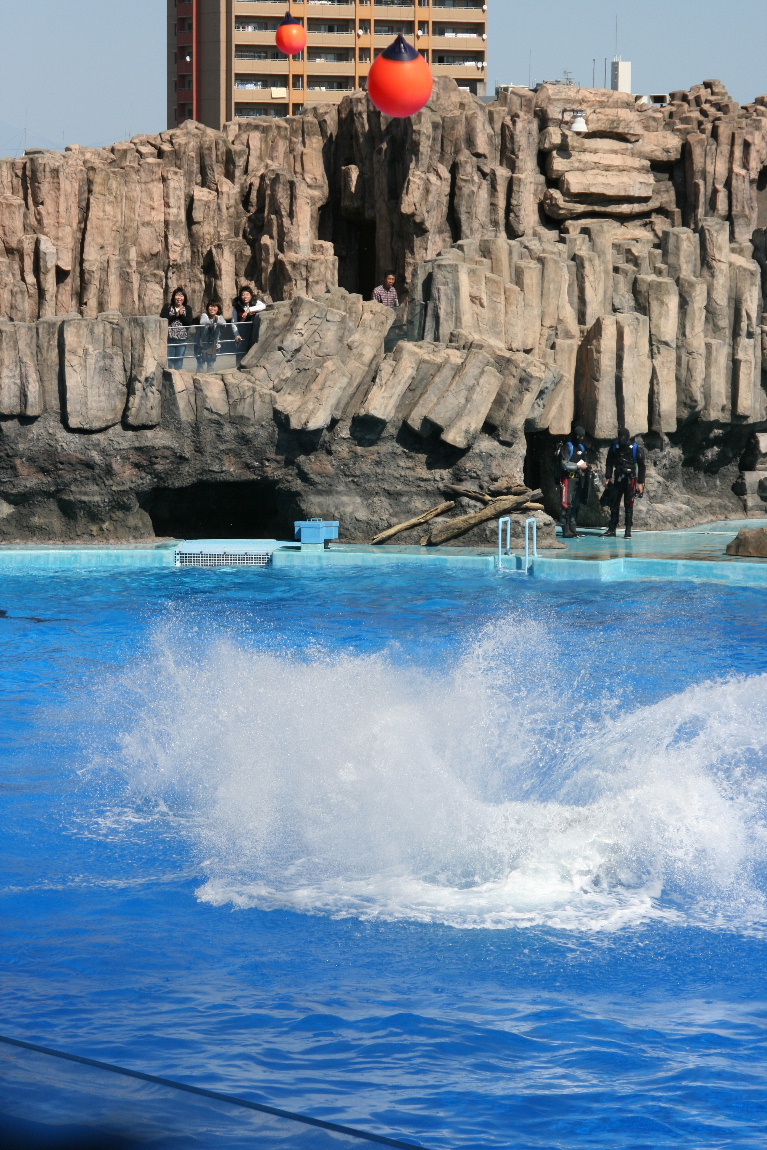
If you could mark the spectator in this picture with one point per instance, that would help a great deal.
(247, 307)
(386, 293)
(208, 339)
(179, 316)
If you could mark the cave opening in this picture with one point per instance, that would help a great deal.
(366, 258)
(252, 509)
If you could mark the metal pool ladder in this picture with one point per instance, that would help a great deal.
(505, 521)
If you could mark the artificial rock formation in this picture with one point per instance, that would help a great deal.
(613, 278)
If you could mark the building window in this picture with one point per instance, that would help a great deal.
(388, 28)
(457, 58)
(256, 25)
(331, 83)
(330, 55)
(254, 81)
(242, 52)
(364, 55)
(332, 27)
(248, 111)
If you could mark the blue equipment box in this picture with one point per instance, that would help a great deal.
(315, 530)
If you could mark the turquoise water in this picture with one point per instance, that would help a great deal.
(458, 858)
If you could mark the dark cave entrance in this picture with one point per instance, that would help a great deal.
(249, 510)
(366, 258)
(357, 269)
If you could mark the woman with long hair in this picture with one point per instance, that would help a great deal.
(246, 312)
(180, 317)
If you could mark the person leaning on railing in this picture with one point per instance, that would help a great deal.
(246, 311)
(179, 316)
(207, 341)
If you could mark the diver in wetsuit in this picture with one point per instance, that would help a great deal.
(573, 480)
(625, 475)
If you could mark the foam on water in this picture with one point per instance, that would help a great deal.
(495, 792)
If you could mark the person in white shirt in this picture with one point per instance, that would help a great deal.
(247, 307)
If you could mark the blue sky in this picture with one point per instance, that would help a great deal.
(78, 71)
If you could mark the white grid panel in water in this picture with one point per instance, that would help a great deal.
(223, 559)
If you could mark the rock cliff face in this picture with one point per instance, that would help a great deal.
(616, 277)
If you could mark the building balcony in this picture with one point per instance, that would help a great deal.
(254, 55)
(262, 108)
(318, 68)
(470, 70)
(458, 31)
(336, 55)
(259, 83)
(393, 28)
(318, 8)
(325, 97)
(246, 69)
(330, 27)
(329, 83)
(331, 39)
(266, 27)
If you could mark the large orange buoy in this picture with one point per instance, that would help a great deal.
(291, 36)
(400, 81)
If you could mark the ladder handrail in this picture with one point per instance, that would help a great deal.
(532, 520)
(507, 520)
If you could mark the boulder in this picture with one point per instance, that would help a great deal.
(750, 542)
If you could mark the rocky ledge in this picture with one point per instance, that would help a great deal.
(616, 277)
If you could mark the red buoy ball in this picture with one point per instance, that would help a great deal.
(400, 81)
(291, 36)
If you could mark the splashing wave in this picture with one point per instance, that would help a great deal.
(492, 793)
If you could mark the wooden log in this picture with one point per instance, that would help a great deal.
(466, 493)
(427, 515)
(463, 523)
(509, 487)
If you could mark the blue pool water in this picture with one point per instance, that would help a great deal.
(464, 859)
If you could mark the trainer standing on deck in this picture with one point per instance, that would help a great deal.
(625, 474)
(386, 293)
(573, 480)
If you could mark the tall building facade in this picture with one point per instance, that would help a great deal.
(223, 62)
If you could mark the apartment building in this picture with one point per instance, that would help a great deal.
(223, 62)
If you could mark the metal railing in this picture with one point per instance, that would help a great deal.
(530, 523)
(207, 348)
(504, 522)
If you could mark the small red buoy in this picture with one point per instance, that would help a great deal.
(291, 36)
(400, 81)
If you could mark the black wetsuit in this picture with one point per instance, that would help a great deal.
(626, 466)
(573, 483)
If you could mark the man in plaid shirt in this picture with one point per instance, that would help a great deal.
(386, 293)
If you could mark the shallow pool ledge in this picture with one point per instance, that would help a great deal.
(556, 566)
(739, 574)
(20, 555)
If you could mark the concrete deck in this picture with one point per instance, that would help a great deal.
(695, 554)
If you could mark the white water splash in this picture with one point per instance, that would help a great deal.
(353, 786)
